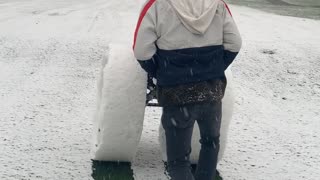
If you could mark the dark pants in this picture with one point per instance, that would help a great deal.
(178, 122)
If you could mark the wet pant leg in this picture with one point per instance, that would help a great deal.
(209, 125)
(178, 125)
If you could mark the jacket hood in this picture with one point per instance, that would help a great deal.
(196, 15)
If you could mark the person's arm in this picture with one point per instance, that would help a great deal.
(145, 37)
(231, 38)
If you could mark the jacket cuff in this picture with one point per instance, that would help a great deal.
(149, 66)
(228, 57)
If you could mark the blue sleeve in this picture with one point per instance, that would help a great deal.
(149, 66)
(228, 57)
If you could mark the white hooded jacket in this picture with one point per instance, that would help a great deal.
(196, 16)
(191, 27)
(178, 24)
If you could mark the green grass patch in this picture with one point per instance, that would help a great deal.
(102, 170)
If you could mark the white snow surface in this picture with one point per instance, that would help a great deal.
(50, 56)
(121, 100)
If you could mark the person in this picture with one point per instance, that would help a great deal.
(186, 45)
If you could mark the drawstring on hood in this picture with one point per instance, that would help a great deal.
(196, 15)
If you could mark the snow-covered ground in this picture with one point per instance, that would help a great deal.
(50, 55)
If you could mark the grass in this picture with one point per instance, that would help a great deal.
(102, 170)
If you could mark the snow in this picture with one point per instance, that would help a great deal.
(121, 102)
(50, 56)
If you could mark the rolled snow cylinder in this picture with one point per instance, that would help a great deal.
(118, 121)
(227, 109)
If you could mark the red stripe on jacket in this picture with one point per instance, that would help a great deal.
(227, 8)
(142, 14)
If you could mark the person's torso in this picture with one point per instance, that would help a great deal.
(189, 58)
(174, 34)
(189, 48)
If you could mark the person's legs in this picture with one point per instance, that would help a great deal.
(209, 125)
(178, 125)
